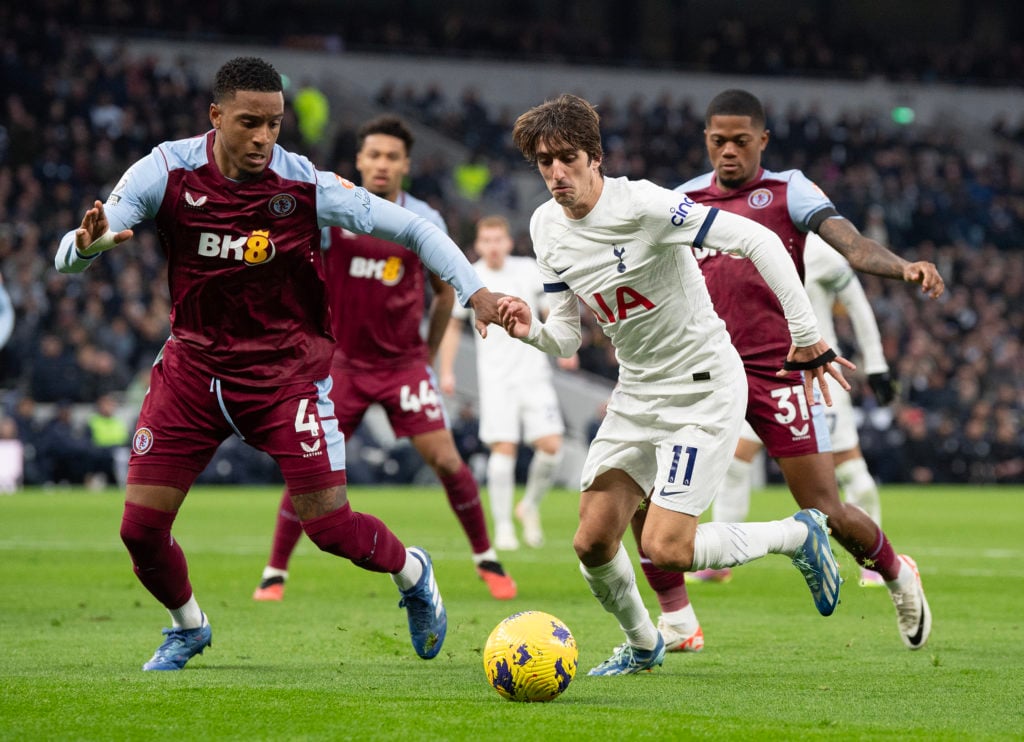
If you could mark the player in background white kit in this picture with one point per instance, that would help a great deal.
(517, 397)
(624, 248)
(828, 278)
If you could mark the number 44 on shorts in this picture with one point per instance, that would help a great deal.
(412, 402)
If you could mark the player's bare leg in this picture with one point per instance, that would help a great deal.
(678, 622)
(437, 448)
(858, 487)
(811, 479)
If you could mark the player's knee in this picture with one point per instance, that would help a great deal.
(141, 540)
(669, 555)
(445, 464)
(594, 548)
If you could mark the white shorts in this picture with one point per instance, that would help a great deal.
(524, 412)
(842, 425)
(677, 446)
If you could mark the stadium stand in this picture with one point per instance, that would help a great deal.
(77, 109)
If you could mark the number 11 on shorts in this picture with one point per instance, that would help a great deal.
(677, 454)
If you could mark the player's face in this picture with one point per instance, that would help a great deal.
(572, 177)
(383, 162)
(247, 129)
(734, 147)
(492, 245)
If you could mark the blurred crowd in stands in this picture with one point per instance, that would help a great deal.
(71, 123)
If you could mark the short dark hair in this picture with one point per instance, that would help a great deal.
(245, 73)
(388, 124)
(568, 120)
(735, 102)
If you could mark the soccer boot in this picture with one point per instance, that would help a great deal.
(628, 660)
(271, 588)
(680, 639)
(428, 619)
(529, 518)
(502, 586)
(913, 615)
(179, 647)
(710, 575)
(817, 563)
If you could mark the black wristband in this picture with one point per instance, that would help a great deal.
(828, 355)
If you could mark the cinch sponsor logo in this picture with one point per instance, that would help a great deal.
(253, 249)
(680, 211)
(389, 272)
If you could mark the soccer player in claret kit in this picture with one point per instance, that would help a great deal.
(377, 293)
(794, 433)
(623, 248)
(830, 281)
(239, 219)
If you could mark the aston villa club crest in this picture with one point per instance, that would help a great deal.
(760, 198)
(143, 441)
(282, 204)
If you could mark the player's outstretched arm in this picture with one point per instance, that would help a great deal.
(868, 256)
(815, 361)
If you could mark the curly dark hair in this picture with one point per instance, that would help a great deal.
(735, 102)
(245, 73)
(388, 124)
(567, 120)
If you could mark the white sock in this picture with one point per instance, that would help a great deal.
(485, 556)
(542, 472)
(719, 545)
(501, 484)
(859, 487)
(732, 504)
(684, 620)
(188, 616)
(904, 579)
(410, 574)
(614, 586)
(269, 572)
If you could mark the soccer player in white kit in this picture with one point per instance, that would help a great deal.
(828, 279)
(624, 248)
(517, 395)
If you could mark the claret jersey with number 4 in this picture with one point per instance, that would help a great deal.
(246, 279)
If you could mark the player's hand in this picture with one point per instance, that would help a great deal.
(515, 316)
(94, 227)
(811, 354)
(485, 308)
(883, 386)
(927, 275)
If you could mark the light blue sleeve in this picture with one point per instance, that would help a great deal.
(6, 316)
(341, 204)
(805, 200)
(135, 198)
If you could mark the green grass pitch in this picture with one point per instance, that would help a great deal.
(333, 660)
